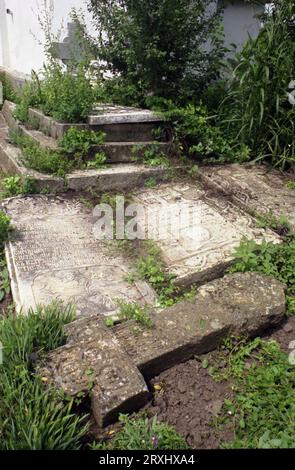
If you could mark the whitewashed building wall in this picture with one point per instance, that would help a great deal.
(20, 51)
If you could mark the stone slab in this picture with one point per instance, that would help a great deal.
(53, 254)
(112, 114)
(237, 304)
(116, 132)
(199, 246)
(96, 365)
(254, 188)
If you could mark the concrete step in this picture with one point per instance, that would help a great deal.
(116, 130)
(112, 177)
(116, 152)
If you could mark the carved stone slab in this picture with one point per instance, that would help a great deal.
(53, 255)
(200, 248)
(241, 303)
(93, 363)
(255, 188)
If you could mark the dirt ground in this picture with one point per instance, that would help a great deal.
(190, 399)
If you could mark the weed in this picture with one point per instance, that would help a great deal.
(32, 418)
(40, 158)
(16, 185)
(134, 311)
(5, 227)
(144, 434)
(150, 155)
(79, 141)
(4, 278)
(281, 224)
(98, 161)
(151, 268)
(262, 408)
(151, 183)
(276, 260)
(291, 185)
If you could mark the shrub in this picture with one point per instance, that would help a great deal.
(144, 434)
(64, 95)
(158, 47)
(256, 111)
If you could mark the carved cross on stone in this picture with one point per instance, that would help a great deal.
(69, 50)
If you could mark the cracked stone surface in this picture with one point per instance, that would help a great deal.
(255, 188)
(94, 364)
(112, 114)
(202, 230)
(241, 303)
(54, 255)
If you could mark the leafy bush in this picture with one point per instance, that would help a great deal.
(197, 135)
(256, 111)
(262, 408)
(277, 260)
(65, 96)
(32, 418)
(144, 434)
(158, 47)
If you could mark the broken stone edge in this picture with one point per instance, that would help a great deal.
(240, 304)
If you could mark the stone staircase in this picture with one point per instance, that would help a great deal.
(54, 254)
(126, 130)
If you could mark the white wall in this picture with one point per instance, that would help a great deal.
(19, 50)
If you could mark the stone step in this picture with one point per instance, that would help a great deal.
(114, 177)
(116, 130)
(195, 230)
(98, 367)
(116, 152)
(103, 364)
(257, 189)
(53, 254)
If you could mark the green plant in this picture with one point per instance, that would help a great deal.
(150, 156)
(152, 269)
(4, 278)
(134, 311)
(281, 224)
(15, 186)
(144, 434)
(40, 158)
(32, 417)
(197, 135)
(64, 95)
(151, 183)
(5, 227)
(276, 260)
(256, 111)
(291, 185)
(8, 89)
(98, 161)
(262, 409)
(79, 141)
(156, 48)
